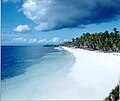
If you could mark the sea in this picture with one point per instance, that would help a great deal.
(35, 72)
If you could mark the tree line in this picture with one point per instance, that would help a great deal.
(103, 41)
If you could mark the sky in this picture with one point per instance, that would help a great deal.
(38, 22)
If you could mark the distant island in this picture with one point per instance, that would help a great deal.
(102, 41)
(51, 45)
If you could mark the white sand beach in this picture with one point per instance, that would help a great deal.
(95, 73)
(90, 75)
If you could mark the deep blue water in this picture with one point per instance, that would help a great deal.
(15, 59)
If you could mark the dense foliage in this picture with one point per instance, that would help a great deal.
(114, 94)
(103, 41)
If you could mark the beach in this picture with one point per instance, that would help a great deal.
(95, 73)
(60, 73)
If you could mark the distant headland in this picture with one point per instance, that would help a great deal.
(51, 45)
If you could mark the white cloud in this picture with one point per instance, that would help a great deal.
(37, 10)
(58, 14)
(28, 7)
(32, 40)
(55, 39)
(43, 26)
(42, 41)
(22, 28)
(24, 40)
(65, 40)
(35, 40)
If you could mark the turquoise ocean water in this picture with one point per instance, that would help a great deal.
(30, 73)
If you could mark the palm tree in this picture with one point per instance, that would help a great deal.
(115, 30)
(103, 41)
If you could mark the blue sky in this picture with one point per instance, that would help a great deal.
(33, 22)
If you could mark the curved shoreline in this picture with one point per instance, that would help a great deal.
(86, 78)
(96, 73)
(40, 81)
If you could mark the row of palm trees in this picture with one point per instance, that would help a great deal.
(103, 41)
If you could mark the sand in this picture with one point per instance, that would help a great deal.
(91, 75)
(95, 73)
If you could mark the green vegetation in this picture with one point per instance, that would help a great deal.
(50, 45)
(114, 94)
(103, 41)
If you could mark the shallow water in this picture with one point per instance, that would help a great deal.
(45, 78)
(15, 59)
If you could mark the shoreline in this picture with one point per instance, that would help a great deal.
(86, 78)
(96, 73)
(96, 51)
(41, 80)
